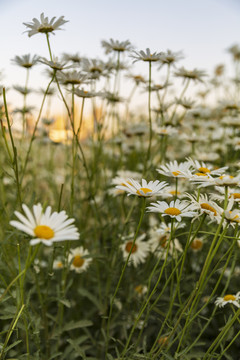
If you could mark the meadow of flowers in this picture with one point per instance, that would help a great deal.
(120, 241)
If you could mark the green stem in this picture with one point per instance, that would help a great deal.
(15, 158)
(123, 271)
(149, 118)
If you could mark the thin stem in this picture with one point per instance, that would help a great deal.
(123, 271)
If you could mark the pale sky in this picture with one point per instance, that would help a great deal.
(202, 29)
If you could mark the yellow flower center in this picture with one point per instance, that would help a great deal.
(172, 211)
(59, 265)
(176, 173)
(229, 297)
(223, 176)
(45, 28)
(173, 192)
(78, 261)
(44, 232)
(163, 340)
(236, 195)
(196, 244)
(162, 241)
(139, 289)
(208, 207)
(200, 174)
(204, 170)
(129, 246)
(144, 190)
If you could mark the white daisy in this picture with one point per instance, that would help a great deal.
(45, 227)
(153, 188)
(228, 299)
(173, 169)
(146, 56)
(233, 216)
(201, 167)
(140, 290)
(204, 205)
(79, 259)
(44, 25)
(139, 252)
(223, 180)
(58, 264)
(116, 45)
(195, 74)
(26, 61)
(159, 242)
(196, 244)
(176, 209)
(165, 130)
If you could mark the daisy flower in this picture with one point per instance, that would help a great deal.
(44, 25)
(153, 188)
(165, 130)
(115, 45)
(195, 74)
(140, 290)
(176, 209)
(171, 57)
(139, 252)
(228, 299)
(173, 169)
(204, 205)
(58, 264)
(72, 77)
(146, 56)
(196, 244)
(158, 243)
(233, 216)
(79, 259)
(223, 180)
(201, 167)
(26, 61)
(45, 227)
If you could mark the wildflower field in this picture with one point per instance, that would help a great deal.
(120, 239)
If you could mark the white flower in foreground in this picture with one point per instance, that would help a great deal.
(176, 209)
(139, 252)
(228, 299)
(44, 25)
(79, 259)
(173, 169)
(133, 187)
(45, 227)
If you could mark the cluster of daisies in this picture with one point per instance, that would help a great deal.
(192, 206)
